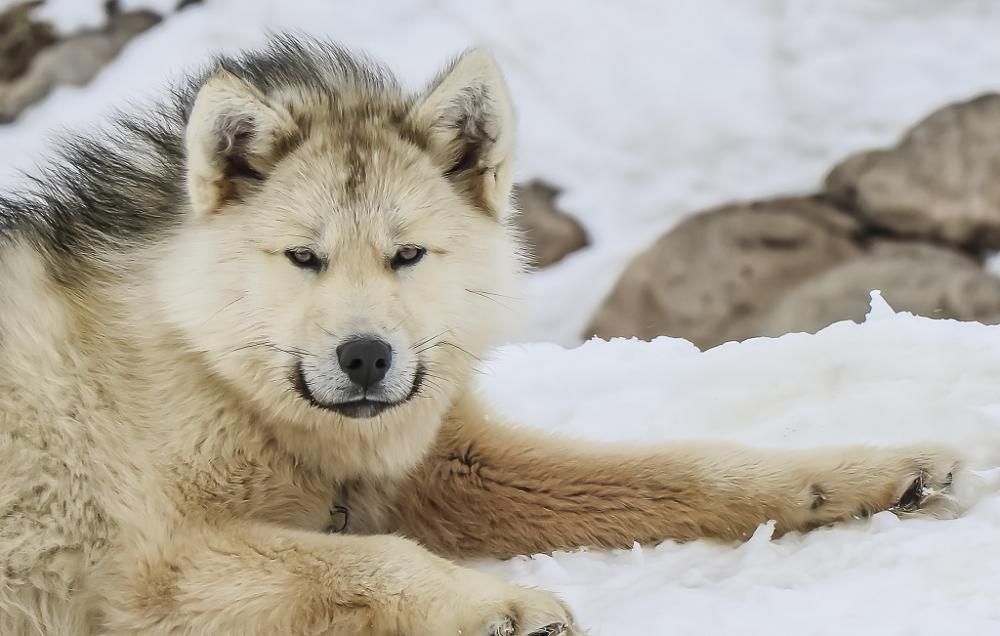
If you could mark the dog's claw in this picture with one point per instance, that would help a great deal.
(505, 628)
(911, 498)
(555, 629)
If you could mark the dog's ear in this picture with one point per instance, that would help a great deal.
(234, 137)
(469, 120)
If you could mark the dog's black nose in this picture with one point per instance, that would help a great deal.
(365, 360)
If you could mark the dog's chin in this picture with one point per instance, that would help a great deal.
(360, 409)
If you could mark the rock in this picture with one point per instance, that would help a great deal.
(550, 234)
(75, 60)
(725, 266)
(21, 38)
(923, 279)
(941, 182)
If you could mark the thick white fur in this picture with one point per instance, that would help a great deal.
(159, 474)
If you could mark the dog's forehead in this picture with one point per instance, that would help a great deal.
(360, 185)
(365, 155)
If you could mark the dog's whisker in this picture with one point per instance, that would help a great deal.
(422, 342)
(486, 293)
(239, 298)
(446, 343)
(292, 351)
(490, 297)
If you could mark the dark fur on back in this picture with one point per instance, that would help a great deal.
(125, 187)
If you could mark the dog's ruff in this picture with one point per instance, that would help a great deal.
(174, 301)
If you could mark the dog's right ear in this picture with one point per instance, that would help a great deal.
(469, 120)
(234, 137)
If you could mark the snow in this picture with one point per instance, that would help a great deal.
(894, 379)
(645, 111)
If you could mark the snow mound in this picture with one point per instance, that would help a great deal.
(895, 379)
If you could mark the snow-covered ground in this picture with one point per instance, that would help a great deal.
(895, 379)
(644, 111)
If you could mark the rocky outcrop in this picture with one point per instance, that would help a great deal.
(725, 266)
(74, 60)
(913, 221)
(940, 183)
(550, 234)
(21, 38)
(923, 279)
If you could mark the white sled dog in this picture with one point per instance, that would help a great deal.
(237, 340)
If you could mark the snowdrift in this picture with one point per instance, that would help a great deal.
(896, 378)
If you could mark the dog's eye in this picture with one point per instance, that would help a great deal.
(407, 255)
(304, 258)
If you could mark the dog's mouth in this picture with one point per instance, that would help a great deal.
(360, 408)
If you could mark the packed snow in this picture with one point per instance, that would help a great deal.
(895, 379)
(645, 111)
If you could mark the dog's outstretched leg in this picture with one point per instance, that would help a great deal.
(256, 579)
(489, 489)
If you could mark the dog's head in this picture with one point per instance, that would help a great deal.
(347, 255)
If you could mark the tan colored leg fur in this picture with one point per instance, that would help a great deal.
(491, 490)
(258, 579)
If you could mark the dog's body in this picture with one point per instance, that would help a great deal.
(218, 324)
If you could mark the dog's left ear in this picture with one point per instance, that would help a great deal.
(468, 117)
(234, 137)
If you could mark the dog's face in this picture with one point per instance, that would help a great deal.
(349, 262)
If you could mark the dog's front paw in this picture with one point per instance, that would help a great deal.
(476, 604)
(859, 482)
(928, 482)
(517, 611)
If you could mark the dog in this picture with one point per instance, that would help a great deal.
(238, 337)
